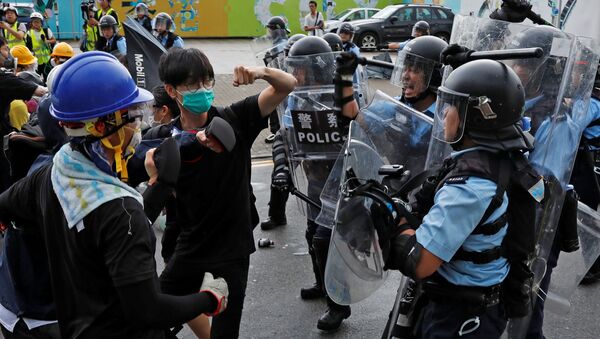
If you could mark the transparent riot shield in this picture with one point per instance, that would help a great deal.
(558, 88)
(313, 130)
(268, 49)
(400, 135)
(362, 91)
(355, 263)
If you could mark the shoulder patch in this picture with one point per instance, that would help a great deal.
(457, 180)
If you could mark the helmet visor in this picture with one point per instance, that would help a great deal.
(312, 70)
(412, 73)
(450, 115)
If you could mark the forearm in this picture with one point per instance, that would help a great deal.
(143, 304)
(17, 34)
(281, 83)
(350, 109)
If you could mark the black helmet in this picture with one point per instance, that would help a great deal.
(544, 73)
(291, 41)
(312, 57)
(488, 98)
(421, 26)
(597, 79)
(334, 41)
(163, 18)
(277, 22)
(310, 45)
(424, 53)
(108, 21)
(346, 27)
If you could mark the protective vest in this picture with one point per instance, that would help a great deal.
(171, 37)
(12, 40)
(92, 37)
(39, 47)
(113, 44)
(110, 11)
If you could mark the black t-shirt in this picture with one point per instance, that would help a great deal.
(213, 193)
(116, 248)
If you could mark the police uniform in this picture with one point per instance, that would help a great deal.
(170, 40)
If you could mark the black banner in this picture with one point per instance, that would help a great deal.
(318, 127)
(143, 53)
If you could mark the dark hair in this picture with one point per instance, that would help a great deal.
(184, 66)
(3, 41)
(313, 2)
(161, 97)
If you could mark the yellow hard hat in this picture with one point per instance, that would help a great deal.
(63, 49)
(23, 55)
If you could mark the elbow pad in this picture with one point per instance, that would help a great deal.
(405, 253)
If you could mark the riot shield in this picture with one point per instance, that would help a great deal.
(557, 97)
(400, 135)
(268, 49)
(355, 263)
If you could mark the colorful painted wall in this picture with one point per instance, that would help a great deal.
(242, 18)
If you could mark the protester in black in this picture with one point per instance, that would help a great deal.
(215, 205)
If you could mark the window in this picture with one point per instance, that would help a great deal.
(442, 14)
(405, 14)
(424, 14)
(371, 12)
(356, 15)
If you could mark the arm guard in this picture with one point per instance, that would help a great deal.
(405, 253)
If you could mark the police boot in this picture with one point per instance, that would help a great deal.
(276, 210)
(593, 275)
(335, 314)
(317, 290)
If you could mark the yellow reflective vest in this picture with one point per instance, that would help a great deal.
(12, 40)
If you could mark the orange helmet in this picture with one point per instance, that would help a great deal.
(63, 49)
(23, 55)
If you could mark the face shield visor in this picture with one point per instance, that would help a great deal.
(450, 115)
(412, 73)
(312, 70)
(163, 24)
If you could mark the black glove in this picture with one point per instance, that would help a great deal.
(223, 132)
(512, 11)
(346, 63)
(281, 181)
(455, 55)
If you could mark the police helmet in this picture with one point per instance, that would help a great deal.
(312, 57)
(142, 8)
(334, 41)
(163, 18)
(108, 21)
(483, 99)
(543, 74)
(277, 22)
(421, 53)
(597, 79)
(422, 27)
(346, 27)
(291, 41)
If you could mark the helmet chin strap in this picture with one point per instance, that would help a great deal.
(120, 161)
(417, 98)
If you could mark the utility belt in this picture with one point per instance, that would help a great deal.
(476, 299)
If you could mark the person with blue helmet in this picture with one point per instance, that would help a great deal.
(99, 243)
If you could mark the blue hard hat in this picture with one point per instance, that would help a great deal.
(91, 85)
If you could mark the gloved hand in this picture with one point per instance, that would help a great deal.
(218, 289)
(383, 46)
(281, 181)
(346, 63)
(455, 55)
(512, 11)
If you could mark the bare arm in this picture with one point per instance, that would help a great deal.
(281, 84)
(20, 35)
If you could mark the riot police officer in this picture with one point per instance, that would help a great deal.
(111, 41)
(142, 16)
(164, 31)
(312, 62)
(334, 41)
(478, 114)
(346, 33)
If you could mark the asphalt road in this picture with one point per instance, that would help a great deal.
(273, 308)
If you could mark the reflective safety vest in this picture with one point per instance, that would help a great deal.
(12, 40)
(92, 37)
(39, 47)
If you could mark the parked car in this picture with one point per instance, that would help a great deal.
(394, 24)
(351, 14)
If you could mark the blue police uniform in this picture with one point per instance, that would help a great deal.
(459, 206)
(178, 42)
